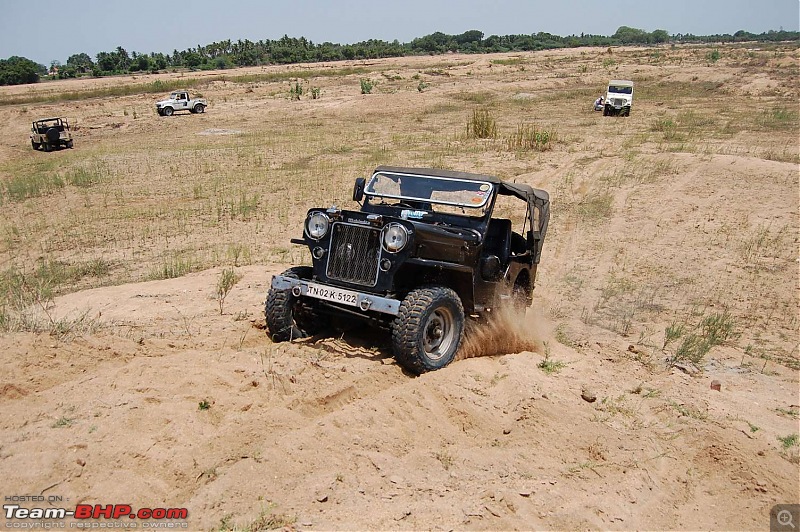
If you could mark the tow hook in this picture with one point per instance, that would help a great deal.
(365, 304)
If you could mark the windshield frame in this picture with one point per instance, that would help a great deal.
(484, 190)
(620, 89)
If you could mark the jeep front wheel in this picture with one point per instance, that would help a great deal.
(199, 108)
(289, 317)
(427, 331)
(167, 111)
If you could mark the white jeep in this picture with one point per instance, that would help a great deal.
(619, 98)
(180, 101)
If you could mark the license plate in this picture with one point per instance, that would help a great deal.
(329, 293)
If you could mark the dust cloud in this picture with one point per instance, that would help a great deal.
(504, 332)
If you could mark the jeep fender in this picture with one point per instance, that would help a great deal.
(455, 276)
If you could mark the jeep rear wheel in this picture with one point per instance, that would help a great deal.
(168, 111)
(427, 331)
(34, 145)
(289, 317)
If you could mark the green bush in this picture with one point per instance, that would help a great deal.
(482, 125)
(529, 137)
(366, 86)
(19, 70)
(712, 330)
(295, 91)
(227, 279)
(713, 56)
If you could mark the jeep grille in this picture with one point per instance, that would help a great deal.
(354, 253)
(618, 101)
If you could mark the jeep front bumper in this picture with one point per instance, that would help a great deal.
(332, 294)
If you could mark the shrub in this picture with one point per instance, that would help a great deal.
(227, 279)
(713, 56)
(529, 137)
(482, 125)
(366, 86)
(296, 91)
(712, 330)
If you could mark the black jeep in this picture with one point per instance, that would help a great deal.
(427, 248)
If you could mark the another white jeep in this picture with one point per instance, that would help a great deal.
(619, 98)
(180, 101)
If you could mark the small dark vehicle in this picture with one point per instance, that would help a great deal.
(427, 249)
(49, 133)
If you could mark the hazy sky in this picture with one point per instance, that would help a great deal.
(44, 31)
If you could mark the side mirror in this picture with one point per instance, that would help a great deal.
(358, 189)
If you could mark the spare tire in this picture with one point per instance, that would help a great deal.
(52, 135)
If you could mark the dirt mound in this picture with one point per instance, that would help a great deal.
(171, 403)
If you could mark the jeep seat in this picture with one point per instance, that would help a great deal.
(498, 239)
(519, 246)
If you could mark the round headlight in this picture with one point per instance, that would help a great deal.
(395, 237)
(317, 225)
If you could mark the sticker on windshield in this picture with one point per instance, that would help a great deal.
(485, 187)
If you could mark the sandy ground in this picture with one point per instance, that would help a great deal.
(166, 402)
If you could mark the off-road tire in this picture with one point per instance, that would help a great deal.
(427, 331)
(46, 146)
(52, 135)
(168, 111)
(199, 108)
(69, 144)
(34, 145)
(287, 316)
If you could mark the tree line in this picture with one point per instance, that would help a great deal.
(229, 54)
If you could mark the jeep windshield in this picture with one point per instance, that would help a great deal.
(428, 193)
(616, 89)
